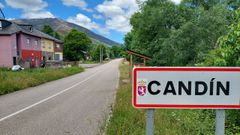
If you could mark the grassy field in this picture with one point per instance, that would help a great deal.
(12, 81)
(127, 120)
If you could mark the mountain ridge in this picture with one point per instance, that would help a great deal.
(63, 27)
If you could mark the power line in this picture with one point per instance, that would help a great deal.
(2, 13)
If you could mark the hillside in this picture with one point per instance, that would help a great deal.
(63, 27)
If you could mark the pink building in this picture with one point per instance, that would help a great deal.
(21, 44)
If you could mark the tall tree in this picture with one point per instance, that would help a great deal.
(228, 50)
(115, 51)
(100, 50)
(177, 35)
(76, 44)
(48, 30)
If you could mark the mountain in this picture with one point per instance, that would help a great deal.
(63, 27)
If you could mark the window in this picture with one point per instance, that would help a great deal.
(28, 41)
(49, 47)
(36, 42)
(57, 46)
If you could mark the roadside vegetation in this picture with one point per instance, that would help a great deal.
(12, 81)
(192, 33)
(127, 120)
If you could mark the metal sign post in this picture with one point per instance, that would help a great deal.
(220, 122)
(150, 122)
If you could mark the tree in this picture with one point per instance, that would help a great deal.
(76, 44)
(177, 35)
(96, 53)
(227, 53)
(48, 30)
(115, 51)
(57, 35)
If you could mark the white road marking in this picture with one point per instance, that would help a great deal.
(46, 99)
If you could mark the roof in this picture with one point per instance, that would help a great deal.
(16, 27)
(139, 54)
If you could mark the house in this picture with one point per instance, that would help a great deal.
(22, 44)
(58, 51)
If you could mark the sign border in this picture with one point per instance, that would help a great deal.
(180, 106)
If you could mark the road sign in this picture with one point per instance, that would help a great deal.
(186, 87)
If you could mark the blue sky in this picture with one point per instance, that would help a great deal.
(109, 18)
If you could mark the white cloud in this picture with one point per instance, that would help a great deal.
(97, 16)
(119, 23)
(38, 14)
(77, 3)
(31, 8)
(1, 5)
(118, 13)
(86, 22)
(83, 20)
(27, 5)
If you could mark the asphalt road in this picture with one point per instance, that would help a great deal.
(76, 105)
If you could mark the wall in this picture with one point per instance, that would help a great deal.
(6, 59)
(34, 58)
(58, 47)
(58, 56)
(31, 45)
(47, 45)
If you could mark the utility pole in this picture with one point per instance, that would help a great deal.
(100, 58)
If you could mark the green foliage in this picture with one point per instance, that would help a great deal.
(115, 51)
(96, 52)
(13, 81)
(57, 35)
(177, 35)
(48, 30)
(76, 45)
(227, 53)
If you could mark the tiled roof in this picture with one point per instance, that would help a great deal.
(15, 28)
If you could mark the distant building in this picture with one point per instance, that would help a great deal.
(24, 45)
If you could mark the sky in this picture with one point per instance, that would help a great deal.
(109, 18)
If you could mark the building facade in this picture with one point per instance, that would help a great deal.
(24, 45)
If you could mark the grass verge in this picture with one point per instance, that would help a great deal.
(127, 120)
(13, 81)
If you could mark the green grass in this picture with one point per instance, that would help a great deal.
(12, 81)
(90, 62)
(127, 120)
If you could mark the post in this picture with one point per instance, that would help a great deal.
(100, 55)
(220, 122)
(130, 67)
(150, 122)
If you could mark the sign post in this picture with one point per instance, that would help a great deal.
(220, 122)
(186, 88)
(150, 122)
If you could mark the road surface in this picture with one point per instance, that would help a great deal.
(76, 105)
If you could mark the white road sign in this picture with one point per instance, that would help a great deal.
(186, 87)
